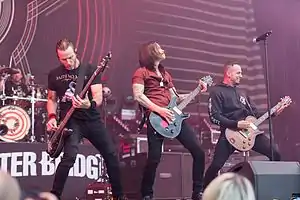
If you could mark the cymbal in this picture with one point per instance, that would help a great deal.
(37, 86)
(28, 98)
(8, 70)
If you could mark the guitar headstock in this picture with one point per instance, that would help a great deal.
(105, 60)
(285, 101)
(208, 80)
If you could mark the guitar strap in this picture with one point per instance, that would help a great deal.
(248, 104)
(144, 118)
(80, 79)
(175, 92)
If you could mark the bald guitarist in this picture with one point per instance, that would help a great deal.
(228, 108)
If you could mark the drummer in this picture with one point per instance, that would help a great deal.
(15, 85)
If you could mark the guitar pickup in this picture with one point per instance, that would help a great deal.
(253, 126)
(177, 110)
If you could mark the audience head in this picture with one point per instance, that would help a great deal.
(229, 186)
(9, 187)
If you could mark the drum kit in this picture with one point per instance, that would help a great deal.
(22, 114)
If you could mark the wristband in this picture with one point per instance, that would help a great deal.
(93, 104)
(51, 115)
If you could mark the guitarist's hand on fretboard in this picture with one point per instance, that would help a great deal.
(203, 86)
(283, 105)
(77, 102)
(167, 114)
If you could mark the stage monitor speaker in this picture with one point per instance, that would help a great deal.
(173, 176)
(271, 180)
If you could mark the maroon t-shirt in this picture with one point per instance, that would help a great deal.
(157, 93)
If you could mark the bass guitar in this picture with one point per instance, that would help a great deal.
(55, 142)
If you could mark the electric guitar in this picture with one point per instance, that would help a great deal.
(56, 138)
(244, 139)
(173, 129)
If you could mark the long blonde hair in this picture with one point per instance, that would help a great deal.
(229, 186)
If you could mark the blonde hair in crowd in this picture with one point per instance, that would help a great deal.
(9, 187)
(229, 186)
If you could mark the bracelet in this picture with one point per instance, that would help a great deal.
(51, 115)
(93, 104)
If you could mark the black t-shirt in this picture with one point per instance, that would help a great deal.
(63, 82)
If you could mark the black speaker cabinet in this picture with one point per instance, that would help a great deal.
(173, 176)
(271, 180)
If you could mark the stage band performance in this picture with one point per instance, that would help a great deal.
(155, 143)
(159, 102)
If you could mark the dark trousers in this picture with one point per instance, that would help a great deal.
(224, 149)
(188, 139)
(96, 133)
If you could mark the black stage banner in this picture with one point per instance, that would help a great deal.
(31, 165)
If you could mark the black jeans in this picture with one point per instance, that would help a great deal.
(188, 139)
(224, 149)
(96, 133)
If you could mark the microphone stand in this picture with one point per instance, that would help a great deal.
(199, 117)
(104, 111)
(266, 63)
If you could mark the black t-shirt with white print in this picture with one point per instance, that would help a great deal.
(63, 82)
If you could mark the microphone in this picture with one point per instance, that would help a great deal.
(262, 37)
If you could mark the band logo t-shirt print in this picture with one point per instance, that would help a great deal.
(63, 82)
(243, 100)
(69, 93)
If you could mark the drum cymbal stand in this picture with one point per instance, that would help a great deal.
(4, 77)
(32, 101)
(29, 80)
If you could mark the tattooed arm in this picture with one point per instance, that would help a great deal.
(97, 93)
(141, 98)
(51, 103)
(138, 93)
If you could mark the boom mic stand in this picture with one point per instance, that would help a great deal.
(104, 111)
(266, 69)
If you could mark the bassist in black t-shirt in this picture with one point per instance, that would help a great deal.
(84, 122)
